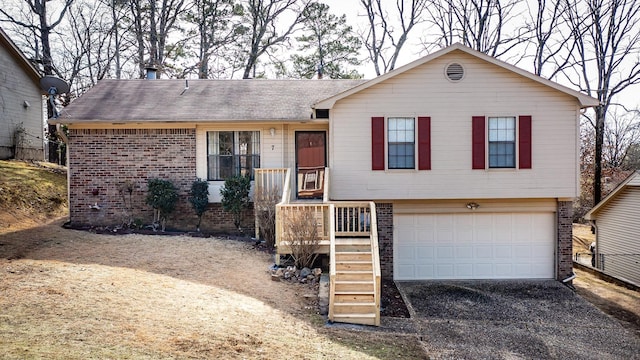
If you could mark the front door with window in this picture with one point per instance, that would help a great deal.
(311, 159)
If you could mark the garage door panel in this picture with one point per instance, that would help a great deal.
(405, 254)
(483, 251)
(425, 253)
(474, 246)
(464, 252)
(464, 271)
(483, 270)
(503, 252)
(445, 253)
(426, 271)
(445, 271)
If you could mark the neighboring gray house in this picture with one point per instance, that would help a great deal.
(21, 110)
(617, 235)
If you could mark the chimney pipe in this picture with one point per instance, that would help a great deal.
(151, 72)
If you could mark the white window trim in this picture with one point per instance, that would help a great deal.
(415, 144)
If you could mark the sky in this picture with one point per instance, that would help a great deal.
(413, 49)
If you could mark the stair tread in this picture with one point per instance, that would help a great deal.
(354, 315)
(364, 292)
(354, 303)
(354, 271)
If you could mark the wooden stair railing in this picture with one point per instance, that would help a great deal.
(355, 266)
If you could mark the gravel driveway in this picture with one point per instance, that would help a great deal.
(513, 320)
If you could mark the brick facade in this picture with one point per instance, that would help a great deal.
(101, 160)
(565, 240)
(384, 213)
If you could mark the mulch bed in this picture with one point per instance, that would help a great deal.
(392, 304)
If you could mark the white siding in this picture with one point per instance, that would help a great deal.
(424, 91)
(16, 87)
(619, 236)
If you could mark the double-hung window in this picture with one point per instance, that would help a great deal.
(502, 142)
(231, 153)
(401, 142)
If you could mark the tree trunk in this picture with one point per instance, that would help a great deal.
(597, 173)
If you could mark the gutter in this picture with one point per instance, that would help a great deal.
(65, 139)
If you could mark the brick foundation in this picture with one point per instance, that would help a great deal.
(565, 240)
(101, 160)
(384, 213)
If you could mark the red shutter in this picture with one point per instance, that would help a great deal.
(424, 143)
(478, 142)
(377, 143)
(524, 141)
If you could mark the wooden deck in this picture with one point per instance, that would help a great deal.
(347, 232)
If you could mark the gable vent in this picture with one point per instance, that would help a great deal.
(455, 72)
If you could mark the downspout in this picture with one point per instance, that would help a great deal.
(65, 139)
(595, 227)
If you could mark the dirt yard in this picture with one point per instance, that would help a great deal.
(77, 295)
(617, 301)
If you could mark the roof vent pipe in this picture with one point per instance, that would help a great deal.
(151, 72)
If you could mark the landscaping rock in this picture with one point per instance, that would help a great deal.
(305, 272)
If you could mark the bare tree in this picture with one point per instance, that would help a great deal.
(263, 28)
(152, 22)
(86, 51)
(387, 34)
(621, 133)
(551, 37)
(41, 24)
(607, 34)
(478, 24)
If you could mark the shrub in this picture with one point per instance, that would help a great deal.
(199, 198)
(301, 232)
(125, 189)
(163, 197)
(235, 197)
(265, 208)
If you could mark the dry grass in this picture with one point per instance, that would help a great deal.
(30, 193)
(612, 299)
(582, 238)
(77, 295)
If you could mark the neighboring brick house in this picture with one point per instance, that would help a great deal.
(472, 162)
(21, 112)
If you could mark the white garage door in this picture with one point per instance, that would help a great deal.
(474, 246)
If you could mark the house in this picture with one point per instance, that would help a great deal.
(21, 115)
(455, 166)
(615, 219)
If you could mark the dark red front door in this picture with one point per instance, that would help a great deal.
(311, 159)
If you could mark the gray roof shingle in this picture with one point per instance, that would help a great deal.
(205, 100)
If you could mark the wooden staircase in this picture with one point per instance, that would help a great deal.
(354, 285)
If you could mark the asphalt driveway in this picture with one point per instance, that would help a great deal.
(513, 320)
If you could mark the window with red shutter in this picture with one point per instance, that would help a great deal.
(377, 143)
(478, 142)
(524, 142)
(424, 143)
